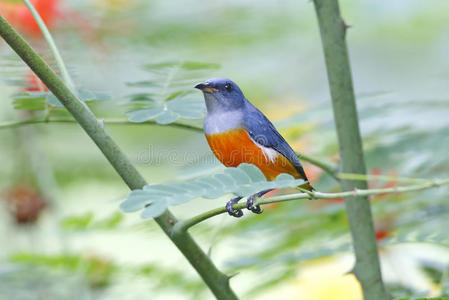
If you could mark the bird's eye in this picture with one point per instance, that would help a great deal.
(228, 87)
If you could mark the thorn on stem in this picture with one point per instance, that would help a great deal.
(209, 252)
(345, 27)
(230, 276)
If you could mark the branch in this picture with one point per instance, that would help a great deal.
(216, 281)
(358, 209)
(16, 124)
(328, 168)
(186, 224)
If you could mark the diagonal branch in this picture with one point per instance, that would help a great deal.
(186, 224)
(216, 281)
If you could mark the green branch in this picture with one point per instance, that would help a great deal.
(215, 280)
(51, 43)
(358, 209)
(326, 167)
(186, 224)
(16, 124)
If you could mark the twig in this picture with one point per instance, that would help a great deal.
(350, 176)
(107, 121)
(328, 168)
(186, 224)
(51, 43)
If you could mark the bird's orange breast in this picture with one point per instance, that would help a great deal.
(235, 146)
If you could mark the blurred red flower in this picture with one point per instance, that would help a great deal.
(34, 84)
(20, 17)
(381, 233)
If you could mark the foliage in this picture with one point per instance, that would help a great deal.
(87, 222)
(166, 95)
(33, 94)
(404, 131)
(98, 271)
(244, 180)
(39, 100)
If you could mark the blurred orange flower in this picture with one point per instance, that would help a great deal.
(20, 17)
(24, 203)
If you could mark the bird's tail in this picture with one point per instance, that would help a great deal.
(307, 186)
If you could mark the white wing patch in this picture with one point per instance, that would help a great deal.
(270, 154)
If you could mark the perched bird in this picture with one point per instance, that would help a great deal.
(237, 132)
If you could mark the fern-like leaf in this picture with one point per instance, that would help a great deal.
(166, 95)
(245, 180)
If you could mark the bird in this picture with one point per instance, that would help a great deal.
(237, 132)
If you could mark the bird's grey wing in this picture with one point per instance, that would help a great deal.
(263, 132)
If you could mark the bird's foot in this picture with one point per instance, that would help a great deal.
(250, 202)
(250, 205)
(234, 212)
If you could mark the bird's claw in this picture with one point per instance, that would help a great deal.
(234, 212)
(250, 205)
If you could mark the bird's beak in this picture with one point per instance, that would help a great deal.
(205, 87)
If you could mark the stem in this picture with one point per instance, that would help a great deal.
(328, 168)
(109, 122)
(186, 224)
(215, 280)
(333, 31)
(380, 178)
(51, 43)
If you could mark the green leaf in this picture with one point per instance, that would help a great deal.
(154, 209)
(161, 65)
(167, 117)
(145, 114)
(253, 173)
(29, 101)
(188, 108)
(136, 200)
(53, 101)
(88, 95)
(38, 100)
(194, 65)
(169, 113)
(177, 94)
(142, 98)
(245, 180)
(77, 222)
(239, 175)
(144, 83)
(169, 88)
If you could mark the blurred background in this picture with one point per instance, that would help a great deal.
(62, 235)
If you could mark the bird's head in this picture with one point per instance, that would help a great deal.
(221, 94)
